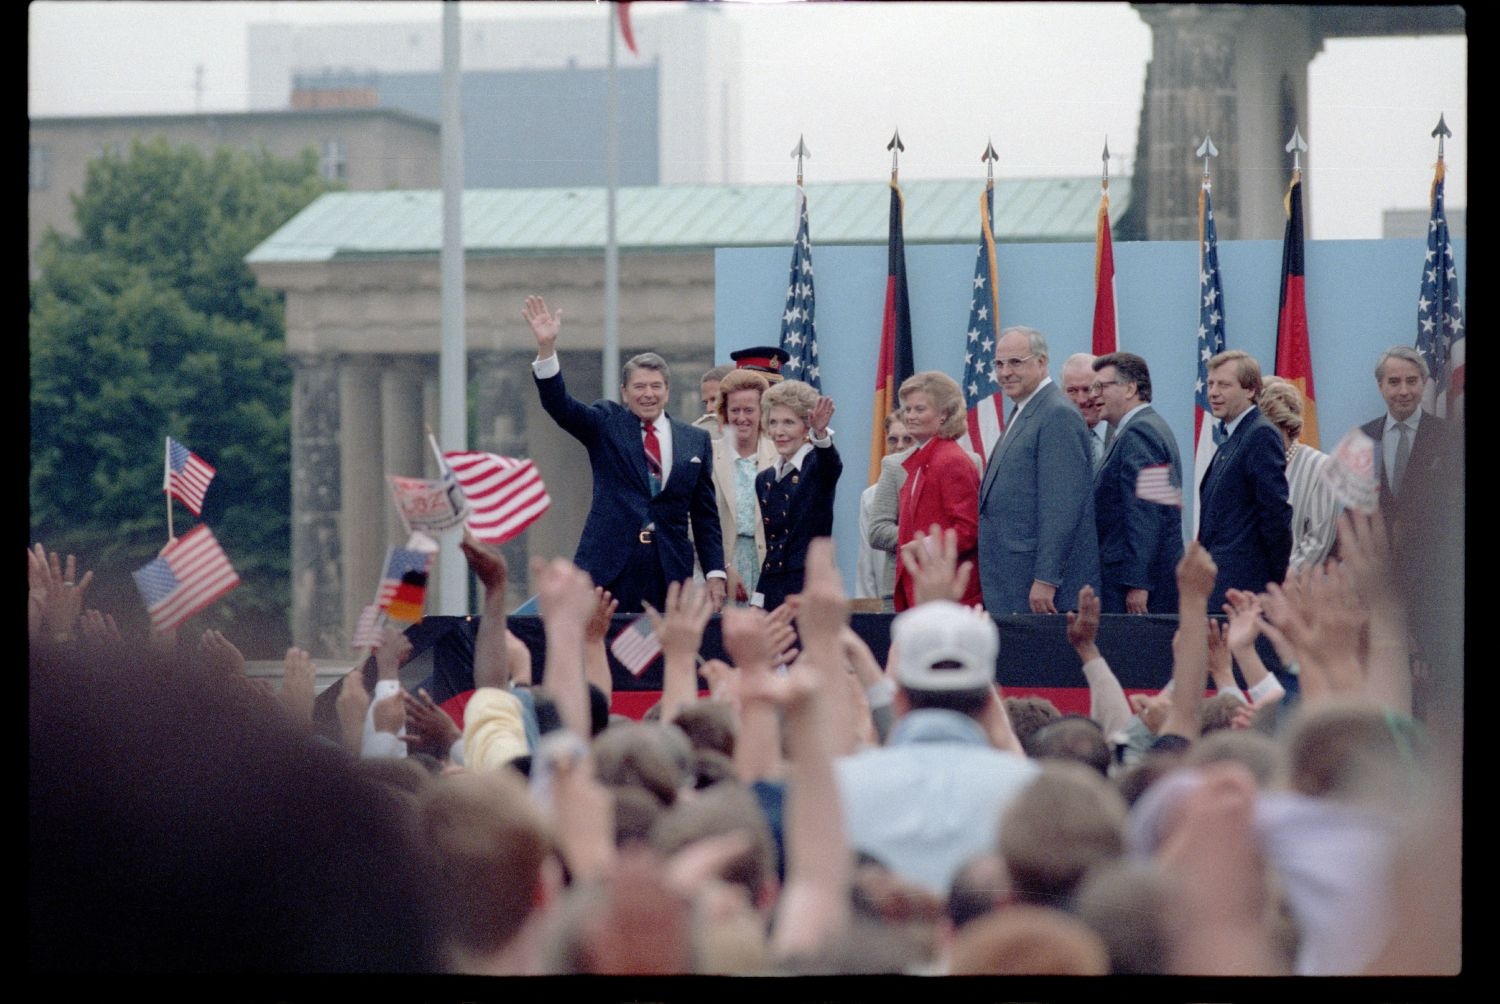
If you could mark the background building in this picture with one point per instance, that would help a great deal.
(522, 79)
(368, 149)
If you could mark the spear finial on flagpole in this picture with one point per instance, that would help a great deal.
(1296, 146)
(989, 158)
(1105, 158)
(799, 152)
(1440, 130)
(895, 146)
(1206, 149)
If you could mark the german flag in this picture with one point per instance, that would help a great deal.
(1293, 351)
(895, 363)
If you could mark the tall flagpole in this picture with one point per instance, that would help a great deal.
(453, 570)
(611, 362)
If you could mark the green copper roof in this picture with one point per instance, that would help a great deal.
(353, 225)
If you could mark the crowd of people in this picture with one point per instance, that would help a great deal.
(799, 808)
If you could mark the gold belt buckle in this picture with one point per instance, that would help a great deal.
(645, 537)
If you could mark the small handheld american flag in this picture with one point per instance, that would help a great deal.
(505, 495)
(187, 476)
(191, 572)
(637, 645)
(1154, 484)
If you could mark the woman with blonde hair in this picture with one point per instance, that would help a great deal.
(1315, 510)
(942, 480)
(796, 495)
(740, 453)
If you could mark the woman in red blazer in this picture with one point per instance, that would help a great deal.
(942, 478)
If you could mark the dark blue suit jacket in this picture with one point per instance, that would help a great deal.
(1140, 542)
(1426, 468)
(795, 510)
(1246, 519)
(622, 503)
(1036, 508)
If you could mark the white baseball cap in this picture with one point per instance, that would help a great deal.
(943, 646)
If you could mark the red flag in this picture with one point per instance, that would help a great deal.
(895, 363)
(1293, 351)
(625, 31)
(1106, 327)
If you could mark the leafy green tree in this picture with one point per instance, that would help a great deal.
(150, 324)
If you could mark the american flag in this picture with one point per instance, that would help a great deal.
(981, 390)
(1154, 484)
(403, 587)
(191, 572)
(1210, 337)
(1440, 317)
(187, 476)
(636, 645)
(798, 334)
(367, 630)
(505, 495)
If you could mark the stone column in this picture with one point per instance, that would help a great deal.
(1190, 93)
(366, 493)
(1238, 73)
(317, 574)
(402, 438)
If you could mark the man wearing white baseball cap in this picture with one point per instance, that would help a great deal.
(931, 798)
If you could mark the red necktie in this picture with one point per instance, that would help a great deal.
(653, 456)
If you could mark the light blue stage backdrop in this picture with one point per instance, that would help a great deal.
(1361, 298)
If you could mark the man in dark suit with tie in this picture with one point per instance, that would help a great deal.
(1246, 518)
(653, 476)
(1140, 540)
(1411, 445)
(1037, 540)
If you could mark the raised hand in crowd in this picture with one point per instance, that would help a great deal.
(298, 685)
(1322, 620)
(100, 632)
(565, 596)
(220, 654)
(757, 751)
(1196, 573)
(783, 637)
(932, 561)
(352, 704)
(428, 728)
(545, 325)
(822, 615)
(1107, 703)
(1217, 879)
(583, 814)
(680, 630)
(1365, 548)
(493, 652)
(1220, 662)
(395, 648)
(595, 656)
(54, 598)
(1243, 627)
(1152, 709)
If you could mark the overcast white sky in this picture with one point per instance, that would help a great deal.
(1047, 81)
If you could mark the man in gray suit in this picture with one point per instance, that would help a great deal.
(1037, 541)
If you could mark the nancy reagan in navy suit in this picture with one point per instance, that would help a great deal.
(796, 494)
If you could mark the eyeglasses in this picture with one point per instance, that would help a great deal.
(1099, 385)
(1012, 363)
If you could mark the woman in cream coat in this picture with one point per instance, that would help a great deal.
(740, 453)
